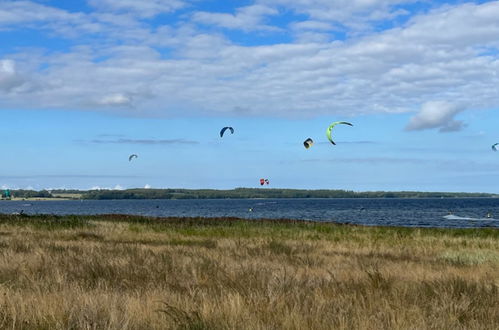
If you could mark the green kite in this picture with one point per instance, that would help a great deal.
(330, 128)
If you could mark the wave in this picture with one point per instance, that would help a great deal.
(455, 217)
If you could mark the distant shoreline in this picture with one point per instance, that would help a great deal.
(50, 199)
(238, 193)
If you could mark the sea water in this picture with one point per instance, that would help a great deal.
(423, 212)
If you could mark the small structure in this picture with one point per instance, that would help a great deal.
(6, 194)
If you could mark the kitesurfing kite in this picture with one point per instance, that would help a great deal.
(308, 143)
(494, 146)
(132, 157)
(330, 128)
(226, 128)
(264, 181)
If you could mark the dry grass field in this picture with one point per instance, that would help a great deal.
(122, 272)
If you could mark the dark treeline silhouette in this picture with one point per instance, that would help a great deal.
(235, 193)
(67, 191)
(22, 193)
(262, 193)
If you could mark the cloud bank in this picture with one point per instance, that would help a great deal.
(269, 58)
(144, 9)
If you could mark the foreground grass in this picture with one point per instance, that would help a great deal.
(125, 272)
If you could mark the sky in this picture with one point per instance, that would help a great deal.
(86, 83)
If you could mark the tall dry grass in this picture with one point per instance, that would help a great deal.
(122, 272)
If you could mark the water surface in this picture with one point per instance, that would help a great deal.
(424, 212)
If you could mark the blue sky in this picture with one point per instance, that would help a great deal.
(84, 84)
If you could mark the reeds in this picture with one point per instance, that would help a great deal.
(123, 272)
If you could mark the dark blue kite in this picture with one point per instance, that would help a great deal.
(226, 128)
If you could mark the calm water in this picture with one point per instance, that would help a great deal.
(430, 212)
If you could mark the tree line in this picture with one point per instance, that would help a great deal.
(236, 193)
(262, 193)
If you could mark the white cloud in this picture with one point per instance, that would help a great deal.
(246, 18)
(117, 99)
(15, 12)
(437, 114)
(461, 26)
(117, 187)
(148, 8)
(9, 77)
(313, 25)
(147, 186)
(354, 14)
(180, 69)
(31, 15)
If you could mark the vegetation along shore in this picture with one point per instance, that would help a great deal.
(130, 272)
(139, 193)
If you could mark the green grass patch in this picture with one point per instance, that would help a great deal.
(46, 222)
(469, 258)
